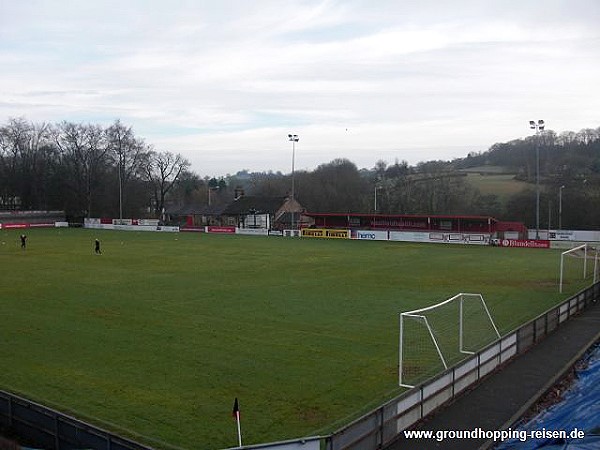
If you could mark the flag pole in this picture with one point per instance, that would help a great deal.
(239, 429)
(236, 414)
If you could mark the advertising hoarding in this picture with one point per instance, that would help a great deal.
(325, 233)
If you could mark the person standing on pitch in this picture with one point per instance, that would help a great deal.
(23, 242)
(97, 247)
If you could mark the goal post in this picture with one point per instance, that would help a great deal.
(431, 339)
(579, 270)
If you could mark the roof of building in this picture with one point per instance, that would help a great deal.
(205, 210)
(288, 217)
(258, 204)
(403, 216)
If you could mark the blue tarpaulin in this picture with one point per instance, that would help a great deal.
(578, 410)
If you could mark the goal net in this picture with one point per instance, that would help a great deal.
(437, 337)
(578, 264)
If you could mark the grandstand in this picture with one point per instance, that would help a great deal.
(415, 222)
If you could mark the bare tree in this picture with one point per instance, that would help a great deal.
(567, 138)
(129, 155)
(12, 139)
(84, 151)
(162, 170)
(24, 151)
(588, 135)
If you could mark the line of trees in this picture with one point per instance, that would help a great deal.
(340, 186)
(90, 170)
(84, 169)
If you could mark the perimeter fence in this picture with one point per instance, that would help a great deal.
(49, 429)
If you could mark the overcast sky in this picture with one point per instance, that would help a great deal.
(224, 82)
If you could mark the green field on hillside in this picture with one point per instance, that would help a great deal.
(502, 185)
(155, 338)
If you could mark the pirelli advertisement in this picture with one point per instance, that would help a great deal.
(325, 233)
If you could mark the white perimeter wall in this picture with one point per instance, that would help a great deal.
(252, 231)
(440, 237)
(107, 226)
(568, 235)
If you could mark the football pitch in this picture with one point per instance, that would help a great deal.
(155, 338)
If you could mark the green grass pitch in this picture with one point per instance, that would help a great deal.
(155, 338)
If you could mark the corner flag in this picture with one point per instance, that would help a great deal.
(236, 415)
(236, 409)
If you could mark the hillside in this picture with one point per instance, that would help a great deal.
(569, 177)
(562, 157)
(502, 185)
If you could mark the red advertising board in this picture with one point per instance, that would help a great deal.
(226, 230)
(7, 226)
(524, 243)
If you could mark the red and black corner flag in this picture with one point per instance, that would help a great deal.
(236, 409)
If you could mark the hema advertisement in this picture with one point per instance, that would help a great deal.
(370, 235)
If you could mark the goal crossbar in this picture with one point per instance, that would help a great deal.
(415, 312)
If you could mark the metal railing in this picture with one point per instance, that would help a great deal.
(51, 429)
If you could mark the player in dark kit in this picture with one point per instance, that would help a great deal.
(23, 241)
(97, 247)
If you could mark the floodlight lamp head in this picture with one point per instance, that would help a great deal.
(531, 124)
(541, 125)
